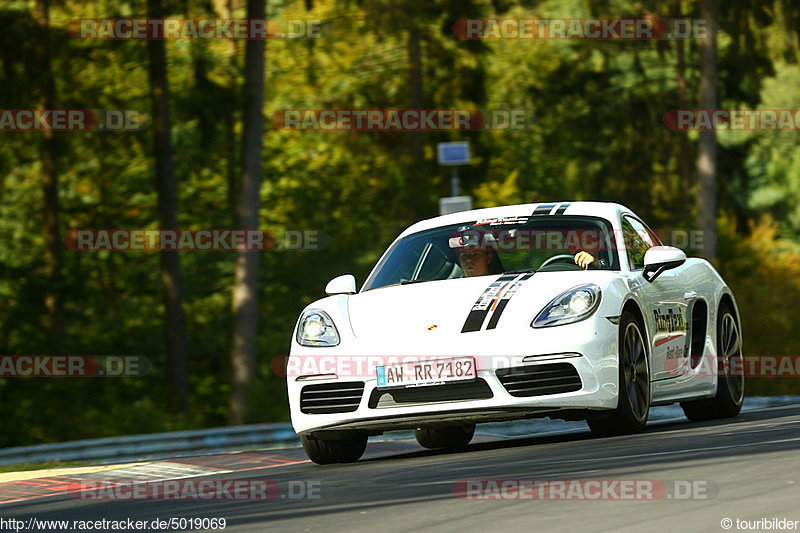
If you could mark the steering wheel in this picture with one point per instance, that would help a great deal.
(560, 257)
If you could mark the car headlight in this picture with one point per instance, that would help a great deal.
(574, 305)
(316, 329)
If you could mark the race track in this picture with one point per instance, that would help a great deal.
(745, 468)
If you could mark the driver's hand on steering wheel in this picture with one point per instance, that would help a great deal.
(584, 259)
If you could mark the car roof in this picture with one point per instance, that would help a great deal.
(607, 210)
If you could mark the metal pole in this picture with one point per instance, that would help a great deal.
(454, 182)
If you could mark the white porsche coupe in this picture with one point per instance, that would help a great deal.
(571, 310)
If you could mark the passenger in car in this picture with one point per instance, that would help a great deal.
(475, 262)
(483, 262)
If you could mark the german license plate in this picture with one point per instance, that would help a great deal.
(431, 372)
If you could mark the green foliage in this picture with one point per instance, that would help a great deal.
(763, 270)
(598, 133)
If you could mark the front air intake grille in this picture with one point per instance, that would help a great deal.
(540, 380)
(455, 392)
(342, 397)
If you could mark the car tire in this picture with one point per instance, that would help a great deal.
(341, 450)
(633, 406)
(730, 385)
(448, 437)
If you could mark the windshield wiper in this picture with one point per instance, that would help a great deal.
(406, 282)
(521, 270)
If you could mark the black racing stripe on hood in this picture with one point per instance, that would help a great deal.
(481, 306)
(505, 298)
(563, 207)
(543, 209)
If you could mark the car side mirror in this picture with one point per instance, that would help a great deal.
(344, 284)
(660, 258)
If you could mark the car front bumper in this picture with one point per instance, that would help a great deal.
(566, 369)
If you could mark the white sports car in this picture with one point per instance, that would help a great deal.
(571, 310)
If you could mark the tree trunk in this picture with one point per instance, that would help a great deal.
(418, 187)
(225, 9)
(707, 145)
(50, 212)
(174, 325)
(415, 64)
(683, 155)
(245, 291)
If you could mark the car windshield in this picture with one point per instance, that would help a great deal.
(513, 244)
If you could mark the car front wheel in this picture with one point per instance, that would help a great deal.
(633, 406)
(345, 449)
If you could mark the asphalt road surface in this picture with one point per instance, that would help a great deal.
(685, 476)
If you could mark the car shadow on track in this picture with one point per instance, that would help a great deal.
(661, 426)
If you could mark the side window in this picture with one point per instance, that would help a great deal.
(637, 241)
(434, 265)
(407, 265)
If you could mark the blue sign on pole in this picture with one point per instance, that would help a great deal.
(454, 153)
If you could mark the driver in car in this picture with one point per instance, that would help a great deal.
(583, 259)
(477, 261)
(480, 262)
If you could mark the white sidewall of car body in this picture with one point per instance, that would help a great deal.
(390, 321)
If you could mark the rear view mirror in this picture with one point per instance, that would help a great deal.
(660, 258)
(344, 284)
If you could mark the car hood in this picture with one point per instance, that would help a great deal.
(446, 311)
